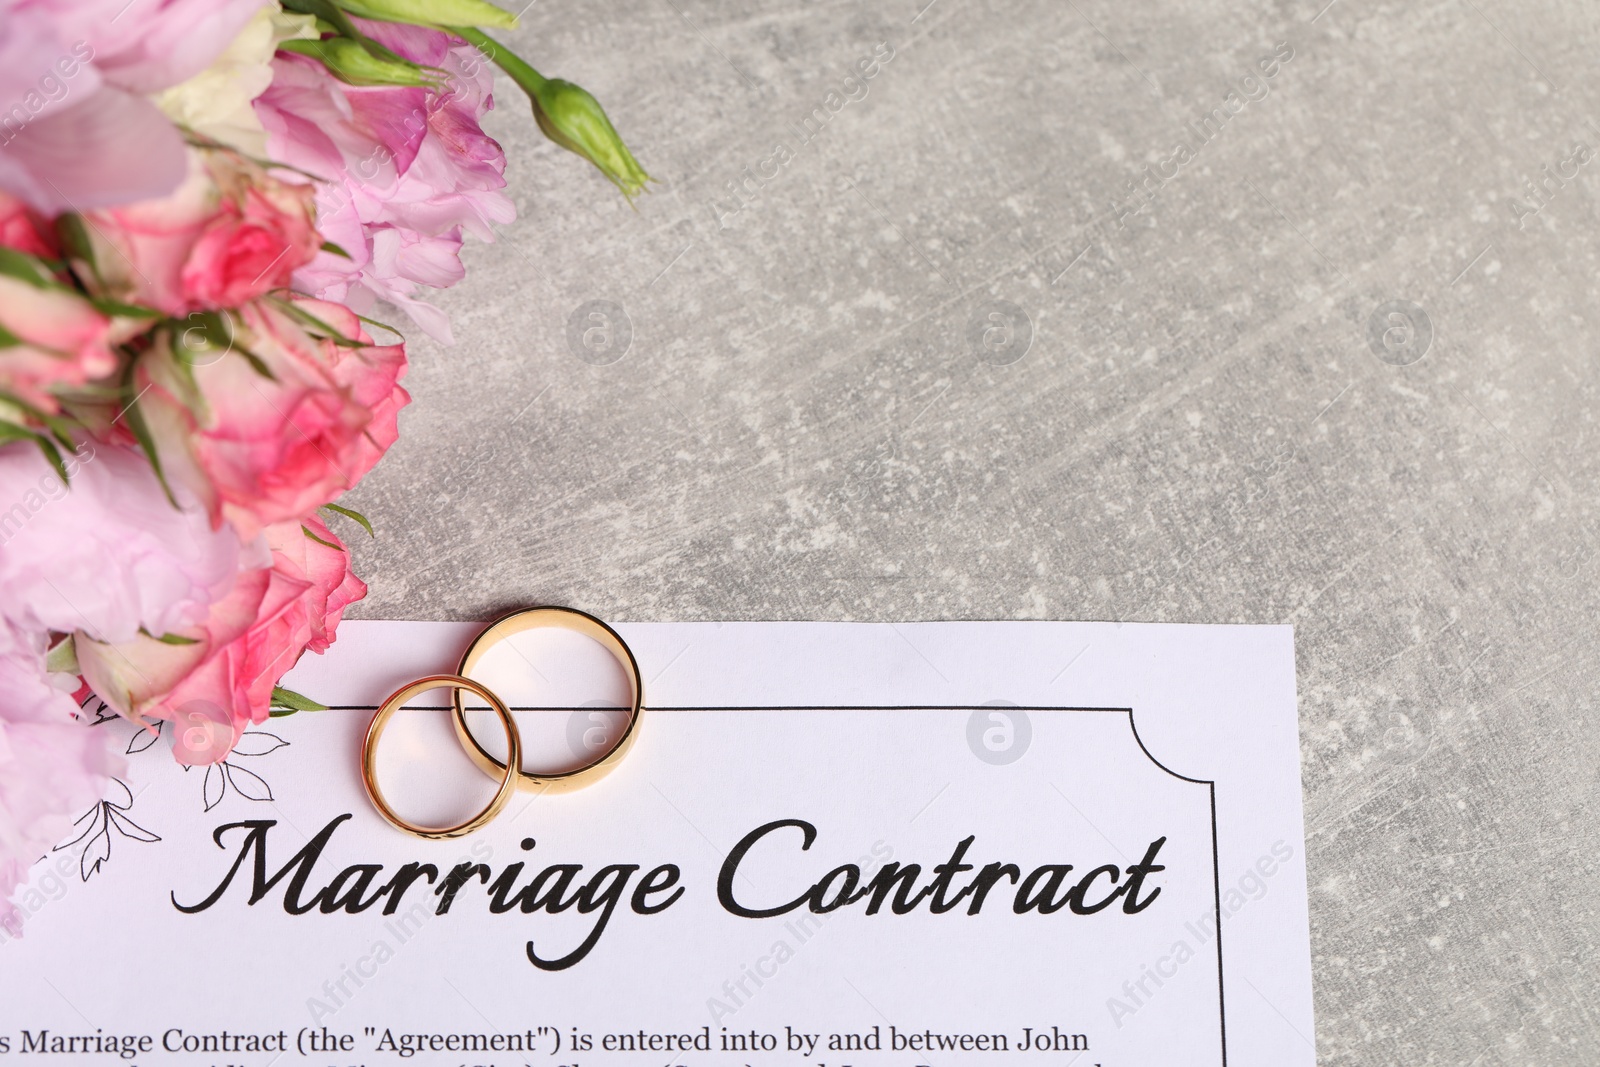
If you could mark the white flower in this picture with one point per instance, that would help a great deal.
(216, 103)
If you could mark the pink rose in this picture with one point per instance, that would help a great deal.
(222, 682)
(25, 230)
(284, 421)
(326, 570)
(263, 235)
(137, 675)
(58, 340)
(229, 234)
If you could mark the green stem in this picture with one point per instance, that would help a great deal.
(520, 71)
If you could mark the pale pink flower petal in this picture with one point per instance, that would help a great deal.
(52, 766)
(145, 46)
(109, 555)
(111, 148)
(77, 131)
(61, 340)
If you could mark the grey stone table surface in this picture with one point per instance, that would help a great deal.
(974, 338)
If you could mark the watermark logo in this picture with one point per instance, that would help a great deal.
(1404, 736)
(1549, 183)
(1399, 332)
(52, 87)
(999, 734)
(594, 729)
(1252, 885)
(599, 332)
(204, 338)
(999, 333)
(203, 734)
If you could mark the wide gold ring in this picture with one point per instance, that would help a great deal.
(397, 699)
(565, 619)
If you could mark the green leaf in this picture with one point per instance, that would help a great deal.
(97, 391)
(117, 309)
(333, 19)
(257, 364)
(75, 241)
(329, 246)
(327, 12)
(10, 431)
(53, 454)
(62, 657)
(351, 513)
(141, 434)
(433, 12)
(26, 268)
(207, 333)
(195, 140)
(357, 63)
(292, 702)
(60, 428)
(382, 326)
(307, 531)
(307, 319)
(170, 639)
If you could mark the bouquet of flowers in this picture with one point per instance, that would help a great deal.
(201, 201)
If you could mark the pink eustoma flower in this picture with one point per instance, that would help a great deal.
(77, 130)
(108, 553)
(407, 171)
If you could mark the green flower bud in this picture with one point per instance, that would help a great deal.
(433, 12)
(354, 63)
(570, 116)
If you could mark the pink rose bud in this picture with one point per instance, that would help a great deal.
(51, 338)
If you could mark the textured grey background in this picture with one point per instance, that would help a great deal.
(1199, 431)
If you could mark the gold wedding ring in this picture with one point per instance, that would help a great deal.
(565, 619)
(397, 699)
(509, 774)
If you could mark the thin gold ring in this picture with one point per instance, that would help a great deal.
(380, 718)
(565, 619)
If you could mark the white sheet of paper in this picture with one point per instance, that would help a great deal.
(1115, 749)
